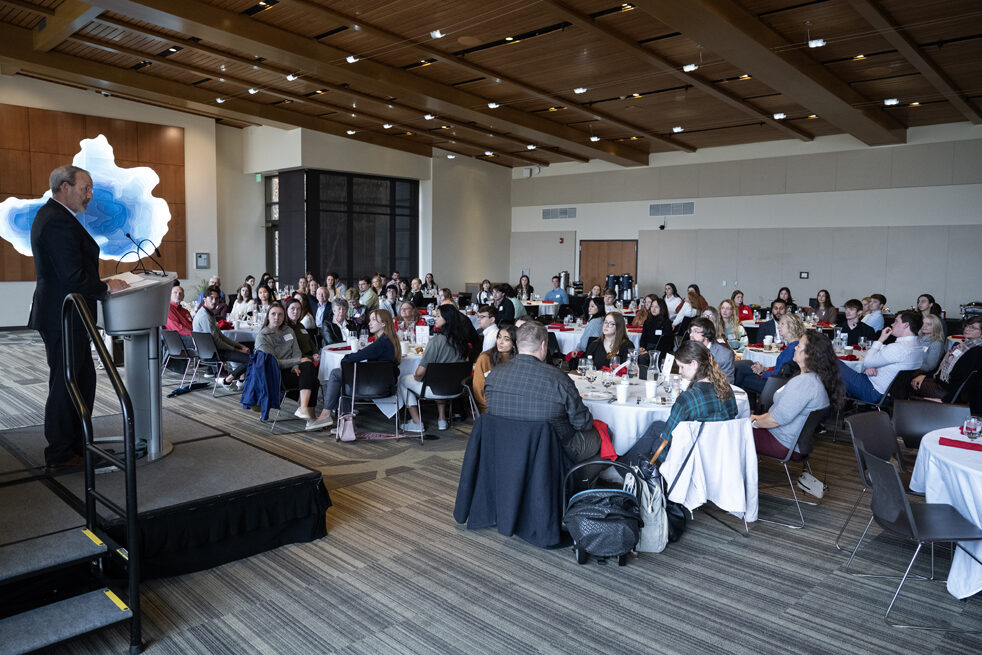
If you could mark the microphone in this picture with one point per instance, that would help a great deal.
(140, 249)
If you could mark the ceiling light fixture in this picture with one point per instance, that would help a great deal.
(351, 131)
(222, 68)
(493, 105)
(253, 91)
(451, 156)
(488, 153)
(594, 138)
(915, 104)
(320, 91)
(636, 95)
(221, 79)
(859, 57)
(444, 127)
(290, 77)
(627, 6)
(678, 129)
(579, 89)
(745, 76)
(688, 68)
(353, 115)
(409, 133)
(816, 43)
(351, 59)
(429, 117)
(810, 116)
(889, 102)
(634, 138)
(172, 49)
(530, 147)
(509, 38)
(387, 126)
(436, 34)
(780, 116)
(219, 100)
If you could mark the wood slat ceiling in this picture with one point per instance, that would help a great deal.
(405, 72)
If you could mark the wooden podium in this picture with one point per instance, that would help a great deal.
(136, 314)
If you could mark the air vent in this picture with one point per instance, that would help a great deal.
(672, 209)
(558, 212)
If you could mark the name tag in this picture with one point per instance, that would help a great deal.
(287, 337)
(657, 333)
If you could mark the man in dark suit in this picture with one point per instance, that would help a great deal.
(769, 329)
(66, 260)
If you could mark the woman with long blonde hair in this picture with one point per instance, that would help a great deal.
(733, 331)
(932, 339)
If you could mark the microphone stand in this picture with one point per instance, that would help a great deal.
(139, 248)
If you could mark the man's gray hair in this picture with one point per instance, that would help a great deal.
(339, 303)
(530, 336)
(64, 174)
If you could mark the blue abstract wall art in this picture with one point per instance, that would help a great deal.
(122, 202)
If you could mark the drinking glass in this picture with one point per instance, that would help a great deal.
(972, 427)
(581, 366)
(614, 362)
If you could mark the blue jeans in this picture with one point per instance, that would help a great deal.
(746, 379)
(858, 385)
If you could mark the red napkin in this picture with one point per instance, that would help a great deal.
(620, 373)
(575, 353)
(548, 302)
(635, 329)
(957, 337)
(606, 447)
(225, 325)
(555, 326)
(565, 329)
(824, 324)
(849, 358)
(944, 441)
(339, 349)
(423, 312)
(759, 344)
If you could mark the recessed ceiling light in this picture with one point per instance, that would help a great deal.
(889, 102)
(493, 105)
(915, 104)
(221, 79)
(530, 147)
(429, 117)
(812, 115)
(444, 127)
(509, 38)
(488, 153)
(579, 89)
(688, 68)
(353, 115)
(290, 77)
(255, 67)
(634, 138)
(436, 34)
(320, 91)
(219, 100)
(745, 77)
(409, 133)
(627, 6)
(678, 128)
(594, 138)
(859, 57)
(351, 131)
(387, 126)
(780, 116)
(351, 59)
(222, 68)
(253, 91)
(172, 49)
(816, 43)
(636, 95)
(451, 156)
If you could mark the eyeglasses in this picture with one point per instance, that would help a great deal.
(484, 316)
(610, 324)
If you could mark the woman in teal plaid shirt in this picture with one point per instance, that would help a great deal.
(708, 398)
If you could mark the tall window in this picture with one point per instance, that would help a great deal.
(272, 224)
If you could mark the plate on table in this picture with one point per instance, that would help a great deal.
(656, 402)
(596, 395)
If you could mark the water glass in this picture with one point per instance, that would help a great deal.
(972, 428)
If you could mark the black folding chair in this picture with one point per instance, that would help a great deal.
(804, 442)
(446, 382)
(176, 351)
(204, 343)
(365, 382)
(912, 419)
(923, 524)
(771, 386)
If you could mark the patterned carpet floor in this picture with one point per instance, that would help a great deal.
(395, 574)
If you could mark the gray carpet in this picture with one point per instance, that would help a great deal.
(396, 574)
(26, 506)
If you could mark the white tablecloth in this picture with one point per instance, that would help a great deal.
(545, 309)
(241, 335)
(628, 421)
(569, 340)
(722, 469)
(946, 474)
(769, 358)
(331, 359)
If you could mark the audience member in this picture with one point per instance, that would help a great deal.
(708, 397)
(596, 291)
(485, 295)
(672, 301)
(307, 316)
(824, 309)
(701, 303)
(657, 335)
(610, 301)
(445, 297)
(644, 310)
(322, 312)
(430, 285)
(612, 342)
(784, 294)
(337, 328)
(816, 387)
(515, 302)
(874, 318)
(334, 287)
(503, 306)
(524, 288)
(528, 389)
(702, 330)
(769, 328)
(690, 308)
(931, 338)
(752, 376)
(296, 371)
(487, 325)
(244, 305)
(409, 318)
(367, 298)
(228, 351)
(178, 318)
(502, 350)
(264, 300)
(556, 293)
(733, 331)
(744, 312)
(594, 325)
(216, 282)
(389, 302)
(357, 314)
(304, 335)
(957, 364)
(852, 325)
(883, 362)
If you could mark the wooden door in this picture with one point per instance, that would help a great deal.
(598, 259)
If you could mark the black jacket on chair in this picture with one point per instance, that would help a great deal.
(512, 477)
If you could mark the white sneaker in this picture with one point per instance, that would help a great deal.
(302, 413)
(411, 426)
(441, 425)
(239, 384)
(320, 423)
(227, 386)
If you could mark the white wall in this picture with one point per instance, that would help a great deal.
(757, 217)
(199, 167)
(241, 212)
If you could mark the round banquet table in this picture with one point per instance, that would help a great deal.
(569, 339)
(953, 475)
(331, 356)
(768, 358)
(546, 308)
(628, 421)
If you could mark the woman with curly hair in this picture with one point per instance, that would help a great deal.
(817, 386)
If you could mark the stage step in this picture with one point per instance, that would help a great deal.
(47, 553)
(59, 621)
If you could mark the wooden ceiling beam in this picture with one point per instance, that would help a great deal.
(192, 45)
(305, 55)
(70, 17)
(740, 38)
(27, 6)
(888, 28)
(16, 47)
(483, 71)
(583, 21)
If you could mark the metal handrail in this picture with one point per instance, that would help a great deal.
(74, 304)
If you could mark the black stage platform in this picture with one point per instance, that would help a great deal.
(213, 500)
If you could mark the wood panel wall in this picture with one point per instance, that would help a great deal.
(33, 142)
